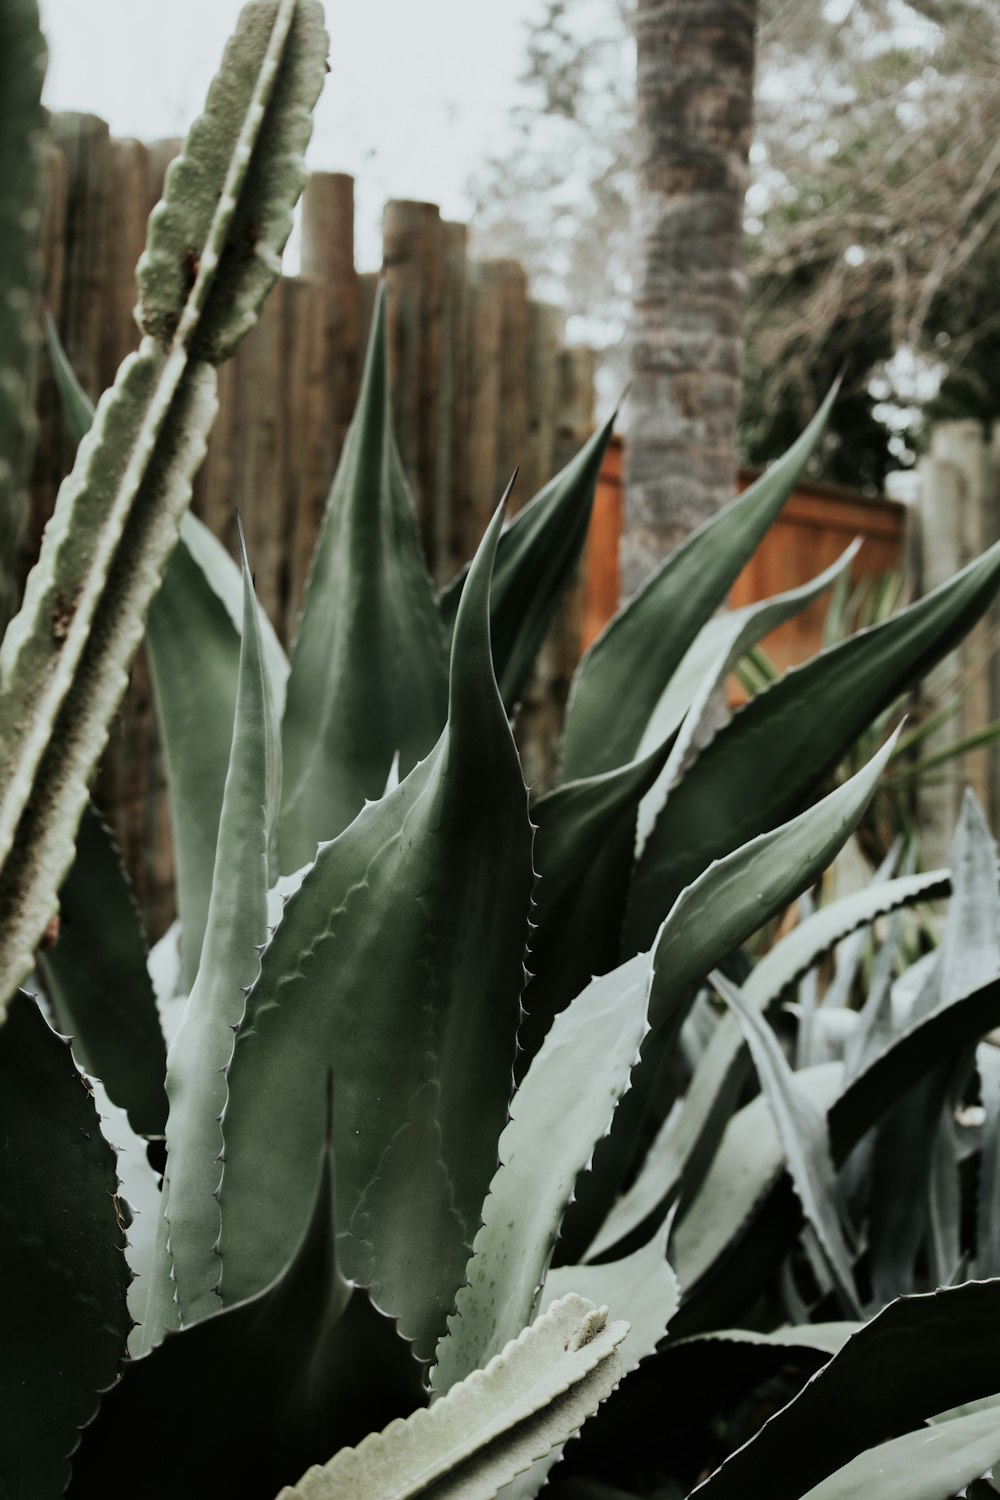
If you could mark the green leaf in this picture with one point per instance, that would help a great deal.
(399, 964)
(735, 896)
(64, 659)
(825, 1338)
(185, 1277)
(719, 911)
(685, 1145)
(801, 1126)
(536, 562)
(641, 1286)
(622, 677)
(97, 982)
(919, 1356)
(63, 1273)
(644, 1289)
(22, 138)
(914, 1140)
(240, 1402)
(77, 407)
(191, 620)
(584, 842)
(970, 947)
(584, 847)
(929, 1464)
(720, 645)
(369, 673)
(708, 1236)
(567, 1100)
(532, 1396)
(788, 739)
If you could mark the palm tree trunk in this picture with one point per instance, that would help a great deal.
(695, 98)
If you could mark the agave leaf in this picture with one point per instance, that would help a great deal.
(720, 910)
(77, 407)
(709, 1377)
(920, 1355)
(722, 643)
(712, 1097)
(851, 949)
(536, 561)
(258, 1390)
(64, 659)
(703, 1232)
(787, 740)
(584, 844)
(398, 963)
(622, 677)
(928, 1464)
(970, 947)
(532, 1396)
(944, 1206)
(801, 1126)
(567, 1099)
(718, 913)
(875, 1023)
(970, 959)
(191, 619)
(738, 894)
(686, 1144)
(369, 668)
(185, 1276)
(22, 126)
(825, 1338)
(912, 1057)
(63, 1273)
(584, 838)
(97, 982)
(642, 1286)
(708, 1235)
(644, 1289)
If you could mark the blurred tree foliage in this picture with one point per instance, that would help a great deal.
(873, 221)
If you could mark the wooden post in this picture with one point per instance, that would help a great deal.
(91, 225)
(309, 435)
(540, 720)
(130, 193)
(946, 525)
(546, 332)
(414, 262)
(478, 494)
(328, 259)
(512, 436)
(452, 404)
(258, 453)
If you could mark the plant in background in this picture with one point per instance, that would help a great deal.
(337, 1290)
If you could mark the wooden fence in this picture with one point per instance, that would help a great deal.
(482, 383)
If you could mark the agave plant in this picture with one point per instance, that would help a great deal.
(333, 1250)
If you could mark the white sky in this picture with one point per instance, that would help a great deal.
(418, 94)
